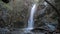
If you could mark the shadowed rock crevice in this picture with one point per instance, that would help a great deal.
(6, 1)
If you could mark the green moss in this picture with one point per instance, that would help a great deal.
(7, 6)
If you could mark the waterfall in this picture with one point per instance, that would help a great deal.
(31, 21)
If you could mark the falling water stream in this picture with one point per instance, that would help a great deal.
(31, 18)
(31, 21)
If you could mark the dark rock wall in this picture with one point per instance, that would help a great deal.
(16, 13)
(57, 4)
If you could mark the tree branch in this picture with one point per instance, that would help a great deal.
(53, 7)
